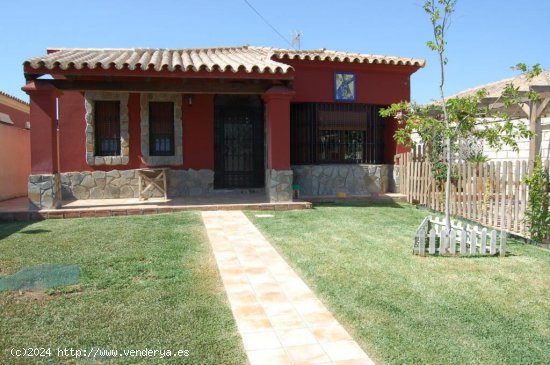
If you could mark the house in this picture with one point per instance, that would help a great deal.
(215, 118)
(15, 159)
(536, 116)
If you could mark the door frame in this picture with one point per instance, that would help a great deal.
(239, 103)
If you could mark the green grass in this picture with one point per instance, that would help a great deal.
(406, 309)
(146, 282)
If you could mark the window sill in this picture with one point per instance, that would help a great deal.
(106, 160)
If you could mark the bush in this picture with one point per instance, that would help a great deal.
(537, 215)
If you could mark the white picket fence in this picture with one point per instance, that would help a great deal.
(464, 239)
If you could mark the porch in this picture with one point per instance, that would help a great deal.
(18, 208)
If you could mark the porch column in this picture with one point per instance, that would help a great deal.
(278, 177)
(44, 182)
(535, 112)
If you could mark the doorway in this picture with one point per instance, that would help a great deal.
(238, 142)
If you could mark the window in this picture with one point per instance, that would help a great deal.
(335, 133)
(341, 146)
(107, 128)
(161, 128)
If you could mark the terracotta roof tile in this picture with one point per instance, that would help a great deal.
(495, 89)
(223, 59)
(13, 98)
(336, 56)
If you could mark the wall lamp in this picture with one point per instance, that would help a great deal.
(190, 99)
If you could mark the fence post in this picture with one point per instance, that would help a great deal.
(463, 241)
(484, 241)
(493, 242)
(432, 242)
(473, 242)
(503, 239)
(443, 242)
(422, 242)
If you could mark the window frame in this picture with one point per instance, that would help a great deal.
(99, 150)
(92, 158)
(153, 160)
(310, 122)
(152, 149)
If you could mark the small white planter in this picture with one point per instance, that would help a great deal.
(432, 238)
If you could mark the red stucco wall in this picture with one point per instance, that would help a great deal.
(15, 161)
(198, 133)
(375, 84)
(313, 82)
(72, 142)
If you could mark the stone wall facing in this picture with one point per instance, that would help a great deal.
(123, 184)
(44, 191)
(91, 158)
(352, 179)
(278, 185)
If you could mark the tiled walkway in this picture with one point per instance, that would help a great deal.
(280, 319)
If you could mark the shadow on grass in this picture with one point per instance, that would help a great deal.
(9, 228)
(35, 231)
(470, 256)
(358, 203)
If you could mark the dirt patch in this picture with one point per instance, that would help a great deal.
(40, 296)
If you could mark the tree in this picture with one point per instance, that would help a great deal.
(443, 125)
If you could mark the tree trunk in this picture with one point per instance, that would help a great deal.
(448, 187)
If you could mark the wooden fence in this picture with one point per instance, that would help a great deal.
(491, 193)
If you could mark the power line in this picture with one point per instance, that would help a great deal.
(269, 24)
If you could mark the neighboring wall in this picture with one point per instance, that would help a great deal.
(15, 161)
(15, 152)
(507, 153)
(17, 109)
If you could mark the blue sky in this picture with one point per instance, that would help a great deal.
(486, 36)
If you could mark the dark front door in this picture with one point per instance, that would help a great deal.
(239, 142)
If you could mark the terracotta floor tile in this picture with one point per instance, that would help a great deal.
(231, 271)
(263, 340)
(268, 357)
(309, 306)
(257, 271)
(253, 310)
(280, 319)
(355, 362)
(330, 334)
(253, 324)
(236, 288)
(300, 295)
(287, 321)
(296, 337)
(344, 350)
(272, 297)
(237, 279)
(262, 279)
(273, 309)
(318, 319)
(242, 297)
(268, 287)
(307, 354)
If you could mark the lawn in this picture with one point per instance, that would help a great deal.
(147, 282)
(405, 309)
